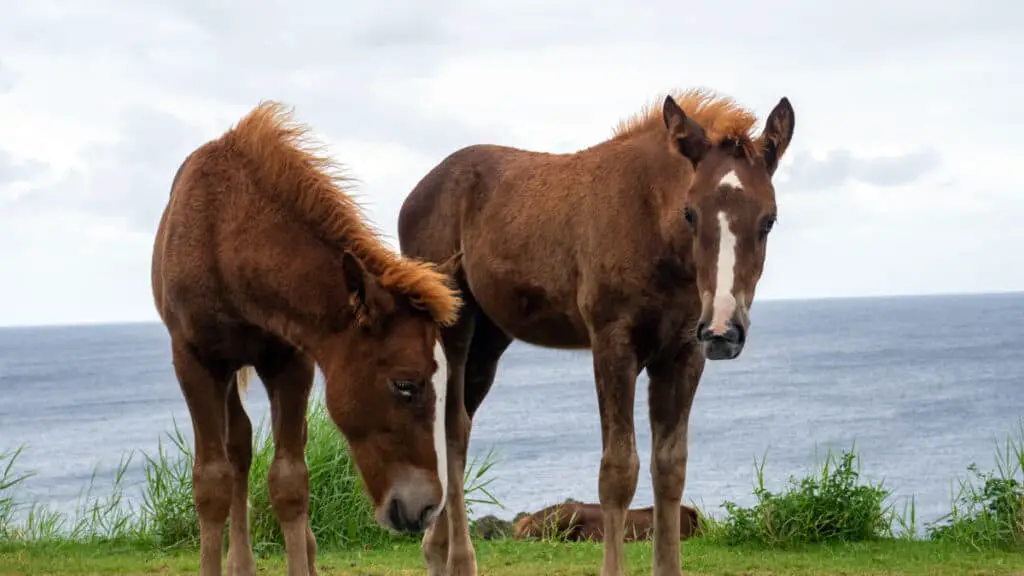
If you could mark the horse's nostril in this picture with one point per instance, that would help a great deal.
(395, 514)
(741, 334)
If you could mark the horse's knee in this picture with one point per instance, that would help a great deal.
(620, 467)
(668, 468)
(435, 549)
(211, 488)
(288, 484)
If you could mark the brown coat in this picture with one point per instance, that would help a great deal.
(577, 521)
(645, 248)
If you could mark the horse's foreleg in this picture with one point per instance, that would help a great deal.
(461, 559)
(488, 344)
(435, 544)
(447, 549)
(212, 472)
(673, 384)
(615, 370)
(289, 384)
(240, 559)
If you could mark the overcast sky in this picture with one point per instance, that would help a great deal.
(901, 178)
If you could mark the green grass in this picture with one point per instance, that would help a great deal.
(829, 506)
(828, 521)
(518, 558)
(165, 519)
(988, 511)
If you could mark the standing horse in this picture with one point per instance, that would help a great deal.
(645, 248)
(262, 261)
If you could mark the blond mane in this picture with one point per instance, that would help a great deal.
(283, 153)
(720, 116)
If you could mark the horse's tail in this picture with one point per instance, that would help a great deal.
(242, 377)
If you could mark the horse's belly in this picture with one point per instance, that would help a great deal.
(551, 331)
(537, 313)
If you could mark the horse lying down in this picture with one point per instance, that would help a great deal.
(579, 521)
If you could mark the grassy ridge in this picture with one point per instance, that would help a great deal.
(800, 525)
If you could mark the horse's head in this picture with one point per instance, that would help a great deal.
(729, 209)
(386, 392)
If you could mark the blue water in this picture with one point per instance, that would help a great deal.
(923, 385)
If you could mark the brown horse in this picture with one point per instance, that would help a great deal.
(578, 521)
(262, 260)
(645, 248)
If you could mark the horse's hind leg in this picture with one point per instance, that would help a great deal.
(204, 386)
(489, 343)
(673, 385)
(288, 376)
(240, 559)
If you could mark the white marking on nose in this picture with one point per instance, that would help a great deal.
(732, 179)
(440, 384)
(724, 305)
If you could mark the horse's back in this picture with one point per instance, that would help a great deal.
(518, 223)
(430, 219)
(232, 264)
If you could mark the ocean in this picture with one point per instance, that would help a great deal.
(923, 386)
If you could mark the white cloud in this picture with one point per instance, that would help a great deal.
(900, 172)
(67, 267)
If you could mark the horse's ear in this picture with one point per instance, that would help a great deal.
(369, 301)
(686, 135)
(778, 132)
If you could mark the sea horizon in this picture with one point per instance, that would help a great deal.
(943, 375)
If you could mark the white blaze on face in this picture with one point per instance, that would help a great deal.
(440, 384)
(724, 304)
(732, 179)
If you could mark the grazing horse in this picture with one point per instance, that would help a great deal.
(262, 261)
(578, 521)
(645, 248)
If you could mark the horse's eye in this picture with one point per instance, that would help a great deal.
(766, 224)
(405, 388)
(691, 217)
